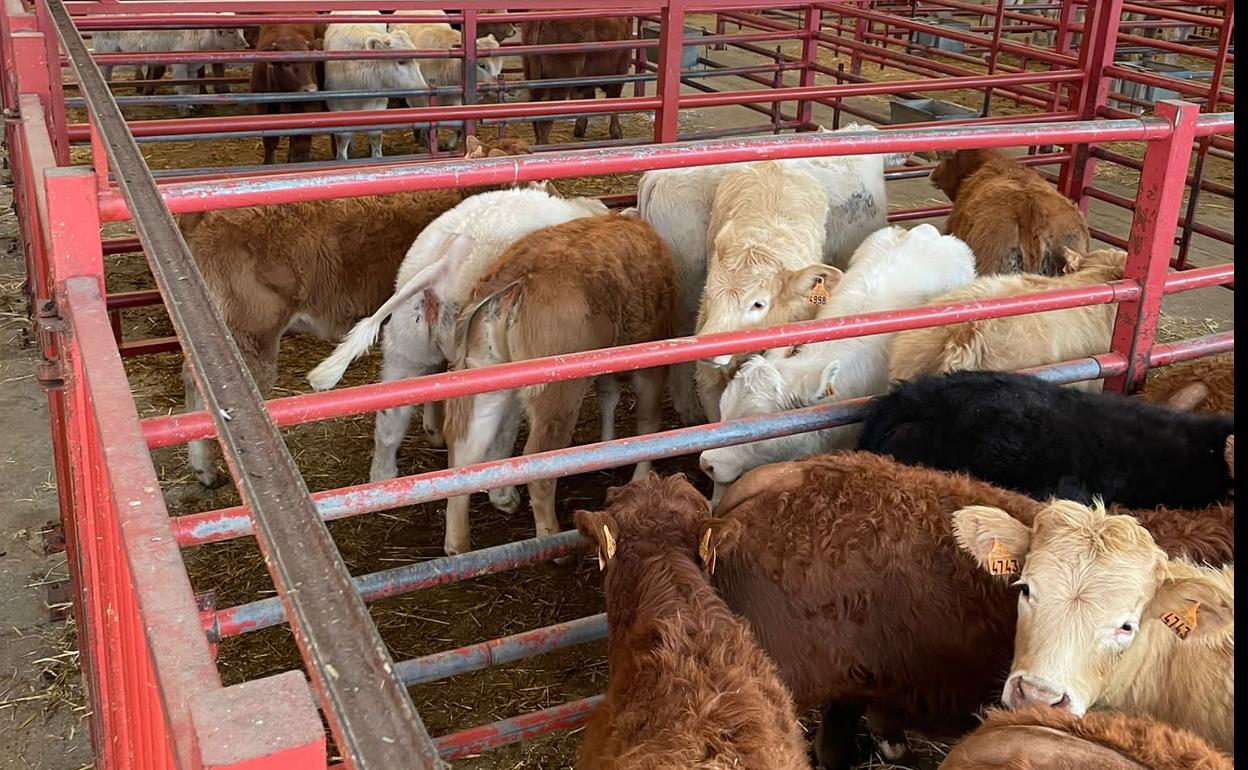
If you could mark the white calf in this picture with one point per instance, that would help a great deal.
(367, 75)
(893, 269)
(165, 40)
(677, 204)
(435, 277)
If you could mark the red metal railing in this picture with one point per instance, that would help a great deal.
(147, 657)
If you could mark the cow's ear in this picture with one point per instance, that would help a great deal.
(377, 43)
(1070, 261)
(827, 379)
(318, 45)
(997, 540)
(599, 527)
(473, 148)
(717, 535)
(496, 153)
(1191, 607)
(814, 282)
(1228, 453)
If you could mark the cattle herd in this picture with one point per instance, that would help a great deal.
(981, 537)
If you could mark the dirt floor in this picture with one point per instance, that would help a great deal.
(42, 698)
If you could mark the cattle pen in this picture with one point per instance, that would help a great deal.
(1065, 79)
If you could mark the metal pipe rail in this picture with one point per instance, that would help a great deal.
(369, 711)
(280, 188)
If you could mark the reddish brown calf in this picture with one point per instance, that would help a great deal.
(1008, 214)
(1053, 739)
(575, 65)
(287, 77)
(689, 686)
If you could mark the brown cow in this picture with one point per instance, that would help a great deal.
(1048, 739)
(312, 266)
(575, 65)
(848, 570)
(299, 76)
(590, 283)
(1204, 385)
(1008, 214)
(689, 686)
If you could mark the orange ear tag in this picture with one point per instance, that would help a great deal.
(818, 293)
(1000, 561)
(1182, 625)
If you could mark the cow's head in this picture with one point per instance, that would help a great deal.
(751, 291)
(231, 39)
(489, 68)
(953, 167)
(650, 514)
(767, 385)
(292, 76)
(397, 73)
(1091, 585)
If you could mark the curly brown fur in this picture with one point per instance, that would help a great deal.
(847, 568)
(689, 686)
(1008, 214)
(1203, 385)
(1054, 739)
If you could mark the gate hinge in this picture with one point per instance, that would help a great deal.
(48, 323)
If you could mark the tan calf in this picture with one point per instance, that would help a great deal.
(1106, 619)
(1015, 342)
(1008, 214)
(587, 284)
(767, 231)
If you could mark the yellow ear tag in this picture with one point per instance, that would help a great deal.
(706, 552)
(602, 563)
(609, 540)
(818, 293)
(1000, 561)
(1182, 625)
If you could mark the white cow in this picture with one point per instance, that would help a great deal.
(893, 269)
(367, 74)
(447, 71)
(677, 204)
(165, 40)
(435, 277)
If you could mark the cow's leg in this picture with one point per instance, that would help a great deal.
(184, 72)
(607, 388)
(582, 123)
(342, 145)
(106, 71)
(889, 730)
(613, 91)
(152, 72)
(299, 149)
(552, 415)
(648, 386)
(374, 143)
(270, 149)
(218, 72)
(835, 748)
(407, 351)
(259, 351)
(474, 428)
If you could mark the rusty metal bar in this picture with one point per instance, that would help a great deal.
(369, 712)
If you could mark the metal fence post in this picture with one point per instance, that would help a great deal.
(812, 21)
(1095, 55)
(1152, 239)
(671, 38)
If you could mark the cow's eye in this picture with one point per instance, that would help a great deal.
(758, 305)
(1023, 589)
(1127, 628)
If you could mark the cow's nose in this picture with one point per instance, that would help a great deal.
(1028, 692)
(707, 467)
